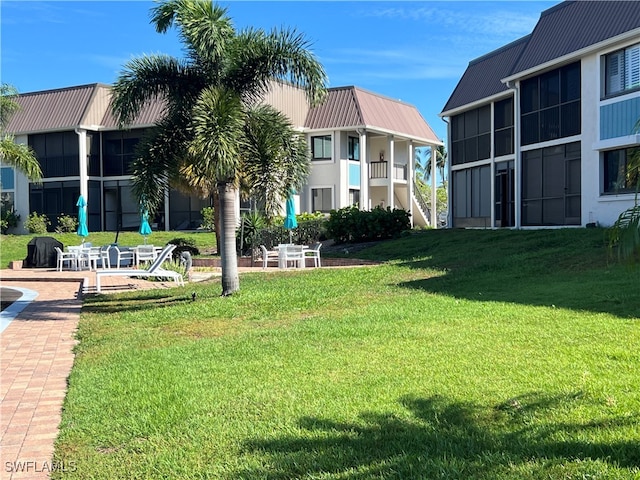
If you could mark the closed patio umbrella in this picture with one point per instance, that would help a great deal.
(82, 218)
(145, 228)
(290, 221)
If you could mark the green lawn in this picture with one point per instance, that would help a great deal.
(467, 355)
(14, 247)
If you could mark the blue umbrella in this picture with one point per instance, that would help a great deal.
(145, 228)
(290, 221)
(82, 218)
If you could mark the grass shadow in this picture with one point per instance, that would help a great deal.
(442, 438)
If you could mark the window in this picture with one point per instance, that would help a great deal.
(55, 198)
(621, 170)
(321, 200)
(354, 197)
(503, 124)
(550, 105)
(7, 189)
(354, 148)
(321, 148)
(622, 70)
(471, 136)
(58, 153)
(551, 186)
(118, 151)
(472, 197)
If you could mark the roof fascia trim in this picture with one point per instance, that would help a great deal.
(575, 55)
(477, 103)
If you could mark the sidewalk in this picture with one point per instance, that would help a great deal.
(36, 350)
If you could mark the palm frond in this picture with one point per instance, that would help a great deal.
(8, 104)
(21, 157)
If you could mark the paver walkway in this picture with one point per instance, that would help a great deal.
(36, 356)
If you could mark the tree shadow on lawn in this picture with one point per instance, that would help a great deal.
(446, 439)
(134, 303)
(614, 292)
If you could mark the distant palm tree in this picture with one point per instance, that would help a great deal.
(423, 163)
(213, 132)
(16, 155)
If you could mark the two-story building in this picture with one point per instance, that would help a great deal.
(362, 149)
(542, 132)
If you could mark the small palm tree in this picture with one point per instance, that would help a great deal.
(213, 134)
(423, 163)
(16, 155)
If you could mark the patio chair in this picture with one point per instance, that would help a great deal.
(145, 253)
(268, 256)
(128, 256)
(105, 259)
(313, 252)
(293, 254)
(154, 270)
(66, 257)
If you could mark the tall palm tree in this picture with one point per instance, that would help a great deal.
(16, 155)
(213, 129)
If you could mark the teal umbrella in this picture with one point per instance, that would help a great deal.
(290, 221)
(82, 218)
(145, 228)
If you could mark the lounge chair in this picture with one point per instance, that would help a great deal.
(154, 270)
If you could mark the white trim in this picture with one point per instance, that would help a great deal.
(617, 142)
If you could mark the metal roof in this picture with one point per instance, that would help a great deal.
(482, 78)
(60, 109)
(150, 113)
(573, 25)
(353, 107)
(561, 30)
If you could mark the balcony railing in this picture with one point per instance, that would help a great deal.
(381, 170)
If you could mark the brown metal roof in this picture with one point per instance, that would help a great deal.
(353, 107)
(149, 114)
(573, 25)
(60, 109)
(482, 77)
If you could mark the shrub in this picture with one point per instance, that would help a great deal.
(8, 219)
(66, 224)
(37, 223)
(208, 222)
(183, 245)
(311, 228)
(351, 225)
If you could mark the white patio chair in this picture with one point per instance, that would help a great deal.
(93, 254)
(154, 270)
(314, 252)
(293, 254)
(128, 256)
(269, 256)
(66, 257)
(105, 259)
(145, 253)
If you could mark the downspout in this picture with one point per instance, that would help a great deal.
(517, 166)
(434, 182)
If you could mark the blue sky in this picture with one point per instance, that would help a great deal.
(415, 51)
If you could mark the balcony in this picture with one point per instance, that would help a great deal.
(381, 170)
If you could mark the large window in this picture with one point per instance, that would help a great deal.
(621, 170)
(354, 197)
(354, 148)
(503, 125)
(551, 186)
(321, 148)
(472, 197)
(622, 70)
(471, 136)
(321, 200)
(118, 151)
(550, 105)
(54, 199)
(58, 153)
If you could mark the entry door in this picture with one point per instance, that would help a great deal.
(504, 195)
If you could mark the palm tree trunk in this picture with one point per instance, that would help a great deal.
(216, 220)
(228, 258)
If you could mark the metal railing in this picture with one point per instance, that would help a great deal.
(381, 170)
(422, 203)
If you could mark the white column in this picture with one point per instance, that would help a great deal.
(517, 164)
(166, 210)
(410, 174)
(364, 172)
(390, 159)
(434, 184)
(82, 162)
